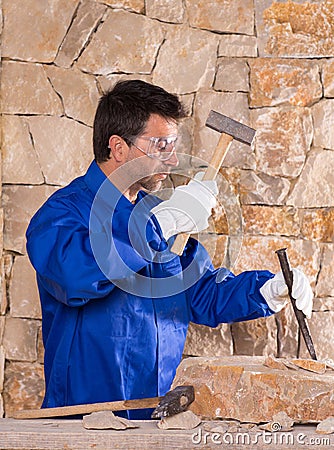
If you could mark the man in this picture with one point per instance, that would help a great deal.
(116, 302)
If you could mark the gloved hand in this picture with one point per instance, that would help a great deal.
(188, 209)
(275, 292)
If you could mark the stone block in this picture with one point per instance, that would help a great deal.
(284, 82)
(185, 47)
(22, 77)
(20, 203)
(232, 76)
(315, 186)
(24, 298)
(114, 49)
(78, 91)
(244, 389)
(317, 224)
(24, 386)
(321, 327)
(271, 220)
(165, 10)
(69, 145)
(86, 19)
(2, 369)
(325, 284)
(20, 161)
(229, 16)
(297, 29)
(323, 117)
(20, 339)
(133, 5)
(328, 77)
(237, 45)
(262, 188)
(34, 30)
(283, 139)
(206, 341)
(40, 346)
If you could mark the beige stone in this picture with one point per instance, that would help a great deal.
(185, 420)
(40, 346)
(269, 220)
(326, 426)
(263, 188)
(310, 365)
(232, 76)
(325, 284)
(103, 420)
(287, 333)
(108, 82)
(87, 17)
(20, 163)
(24, 386)
(24, 293)
(283, 139)
(206, 341)
(274, 363)
(323, 304)
(20, 203)
(36, 95)
(2, 369)
(237, 45)
(78, 91)
(134, 5)
(298, 29)
(20, 339)
(242, 388)
(317, 224)
(321, 327)
(64, 147)
(34, 30)
(284, 82)
(165, 10)
(323, 117)
(328, 77)
(231, 16)
(184, 48)
(114, 49)
(315, 186)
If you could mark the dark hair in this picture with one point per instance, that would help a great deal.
(125, 110)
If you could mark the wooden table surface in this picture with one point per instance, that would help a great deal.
(69, 434)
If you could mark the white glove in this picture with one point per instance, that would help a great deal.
(188, 209)
(275, 292)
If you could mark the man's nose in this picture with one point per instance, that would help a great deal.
(173, 160)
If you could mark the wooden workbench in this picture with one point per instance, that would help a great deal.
(52, 434)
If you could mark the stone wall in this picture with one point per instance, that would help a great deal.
(267, 64)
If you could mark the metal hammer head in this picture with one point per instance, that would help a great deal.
(174, 402)
(224, 124)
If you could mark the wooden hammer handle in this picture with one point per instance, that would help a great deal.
(211, 172)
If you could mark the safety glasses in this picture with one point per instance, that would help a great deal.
(160, 148)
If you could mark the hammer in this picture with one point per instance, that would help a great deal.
(230, 129)
(175, 401)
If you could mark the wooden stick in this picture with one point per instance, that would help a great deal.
(211, 172)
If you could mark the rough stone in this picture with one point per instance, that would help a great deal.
(328, 78)
(186, 48)
(297, 29)
(237, 45)
(234, 105)
(108, 82)
(323, 117)
(310, 365)
(186, 420)
(36, 93)
(40, 346)
(232, 76)
(284, 82)
(271, 220)
(68, 144)
(20, 162)
(24, 293)
(34, 30)
(133, 5)
(78, 91)
(114, 49)
(283, 138)
(287, 333)
(165, 10)
(326, 426)
(317, 224)
(20, 339)
(87, 17)
(24, 386)
(20, 203)
(231, 16)
(262, 188)
(207, 341)
(323, 341)
(2, 369)
(315, 186)
(274, 363)
(103, 420)
(242, 388)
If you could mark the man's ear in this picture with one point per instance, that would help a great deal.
(118, 148)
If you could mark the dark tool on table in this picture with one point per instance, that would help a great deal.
(301, 318)
(230, 129)
(174, 402)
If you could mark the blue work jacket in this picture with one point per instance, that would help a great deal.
(116, 303)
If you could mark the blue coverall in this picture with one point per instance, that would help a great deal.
(116, 303)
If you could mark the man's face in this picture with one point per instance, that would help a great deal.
(157, 127)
